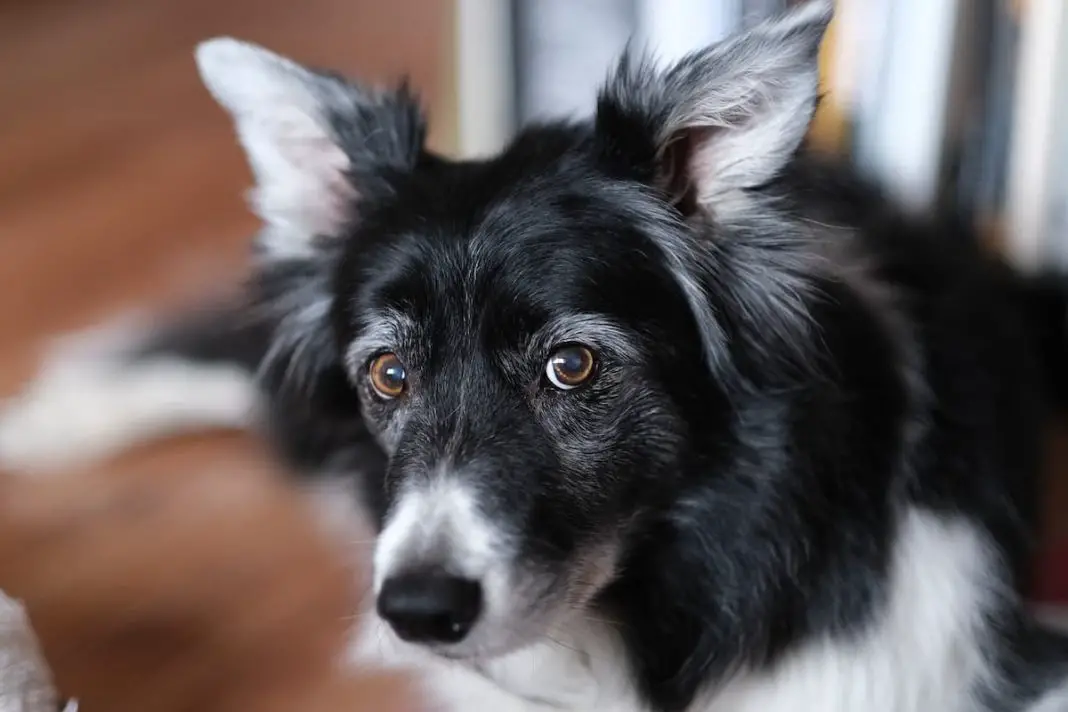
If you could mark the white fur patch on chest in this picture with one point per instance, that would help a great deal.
(1054, 701)
(922, 653)
(580, 669)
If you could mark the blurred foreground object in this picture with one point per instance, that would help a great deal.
(25, 681)
(216, 592)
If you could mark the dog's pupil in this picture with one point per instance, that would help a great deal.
(395, 374)
(571, 361)
(571, 364)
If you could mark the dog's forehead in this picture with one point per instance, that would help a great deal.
(509, 244)
(509, 283)
(470, 236)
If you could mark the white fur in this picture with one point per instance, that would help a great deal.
(552, 675)
(753, 150)
(1055, 701)
(438, 522)
(440, 515)
(86, 403)
(921, 654)
(753, 94)
(302, 190)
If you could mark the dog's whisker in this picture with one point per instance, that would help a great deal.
(560, 643)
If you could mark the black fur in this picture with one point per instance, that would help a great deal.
(748, 453)
(804, 477)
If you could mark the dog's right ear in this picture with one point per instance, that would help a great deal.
(317, 144)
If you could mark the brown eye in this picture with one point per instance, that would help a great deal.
(388, 376)
(570, 366)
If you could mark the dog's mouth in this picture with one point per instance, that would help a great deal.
(470, 622)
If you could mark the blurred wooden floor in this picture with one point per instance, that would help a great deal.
(122, 187)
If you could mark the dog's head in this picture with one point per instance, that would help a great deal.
(544, 343)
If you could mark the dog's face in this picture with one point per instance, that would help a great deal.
(524, 355)
(532, 339)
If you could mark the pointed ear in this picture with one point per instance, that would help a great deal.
(723, 119)
(315, 142)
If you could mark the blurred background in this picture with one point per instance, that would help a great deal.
(122, 183)
(960, 104)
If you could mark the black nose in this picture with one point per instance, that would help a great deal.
(430, 607)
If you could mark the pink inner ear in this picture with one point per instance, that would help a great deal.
(310, 191)
(327, 165)
(680, 166)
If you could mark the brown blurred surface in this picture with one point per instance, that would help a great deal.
(205, 588)
(122, 188)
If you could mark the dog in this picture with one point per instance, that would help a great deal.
(652, 411)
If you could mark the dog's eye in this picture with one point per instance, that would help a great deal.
(570, 366)
(388, 376)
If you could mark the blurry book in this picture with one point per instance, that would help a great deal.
(1036, 169)
(1057, 216)
(851, 57)
(564, 49)
(1056, 233)
(861, 64)
(828, 133)
(983, 156)
(485, 114)
(901, 131)
(670, 29)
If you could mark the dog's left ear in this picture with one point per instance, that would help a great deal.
(318, 144)
(723, 119)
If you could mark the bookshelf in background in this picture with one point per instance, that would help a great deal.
(959, 104)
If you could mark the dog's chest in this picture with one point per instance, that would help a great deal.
(825, 676)
(579, 670)
(923, 651)
(586, 672)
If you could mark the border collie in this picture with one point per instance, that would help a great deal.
(653, 411)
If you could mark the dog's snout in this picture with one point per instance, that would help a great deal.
(430, 606)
